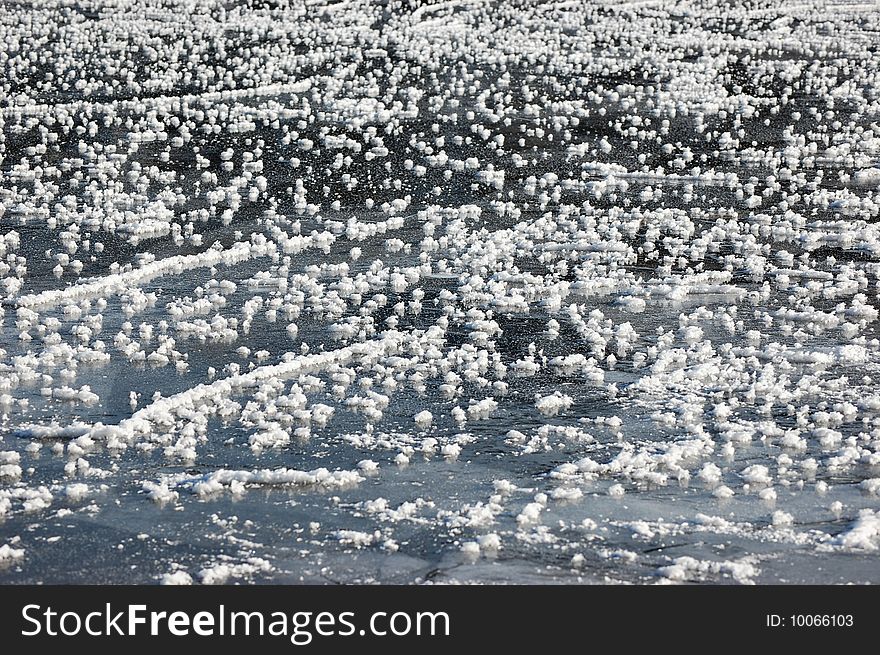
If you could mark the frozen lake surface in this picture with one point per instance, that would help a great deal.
(533, 292)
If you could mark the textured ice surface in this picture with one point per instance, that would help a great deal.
(439, 292)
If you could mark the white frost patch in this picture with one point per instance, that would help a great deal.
(32, 499)
(470, 549)
(723, 492)
(781, 518)
(862, 534)
(76, 491)
(553, 404)
(490, 542)
(530, 514)
(687, 568)
(756, 474)
(176, 578)
(423, 419)
(117, 283)
(356, 538)
(163, 410)
(482, 408)
(237, 480)
(10, 554)
(159, 492)
(616, 490)
(223, 572)
(10, 471)
(710, 473)
(368, 466)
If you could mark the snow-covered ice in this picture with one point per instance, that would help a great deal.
(390, 292)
